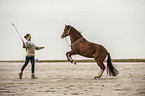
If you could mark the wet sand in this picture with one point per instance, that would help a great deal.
(65, 79)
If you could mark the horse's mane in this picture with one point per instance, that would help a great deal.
(75, 30)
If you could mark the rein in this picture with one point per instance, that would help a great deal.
(73, 43)
(77, 41)
(67, 42)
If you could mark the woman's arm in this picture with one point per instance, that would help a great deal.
(38, 48)
(24, 45)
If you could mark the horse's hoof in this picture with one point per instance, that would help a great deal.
(75, 62)
(71, 61)
(97, 77)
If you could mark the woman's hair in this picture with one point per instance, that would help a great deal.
(26, 36)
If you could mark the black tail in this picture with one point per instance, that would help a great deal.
(110, 69)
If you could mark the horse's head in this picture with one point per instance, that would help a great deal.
(66, 31)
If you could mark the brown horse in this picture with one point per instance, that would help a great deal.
(81, 46)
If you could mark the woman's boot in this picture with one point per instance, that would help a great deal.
(33, 76)
(20, 75)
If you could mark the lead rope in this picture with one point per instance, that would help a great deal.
(67, 42)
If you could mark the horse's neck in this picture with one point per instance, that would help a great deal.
(74, 36)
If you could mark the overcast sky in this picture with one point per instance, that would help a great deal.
(119, 25)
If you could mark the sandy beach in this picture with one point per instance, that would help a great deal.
(65, 79)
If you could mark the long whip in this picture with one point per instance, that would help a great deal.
(17, 31)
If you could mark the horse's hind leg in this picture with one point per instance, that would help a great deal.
(102, 67)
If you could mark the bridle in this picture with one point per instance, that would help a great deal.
(66, 38)
(74, 42)
(69, 30)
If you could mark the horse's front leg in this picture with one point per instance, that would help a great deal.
(69, 58)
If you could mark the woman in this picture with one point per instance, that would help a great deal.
(30, 53)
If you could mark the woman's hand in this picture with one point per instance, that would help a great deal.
(42, 47)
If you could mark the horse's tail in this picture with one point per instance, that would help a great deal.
(110, 68)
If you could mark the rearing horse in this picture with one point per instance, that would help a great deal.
(81, 46)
